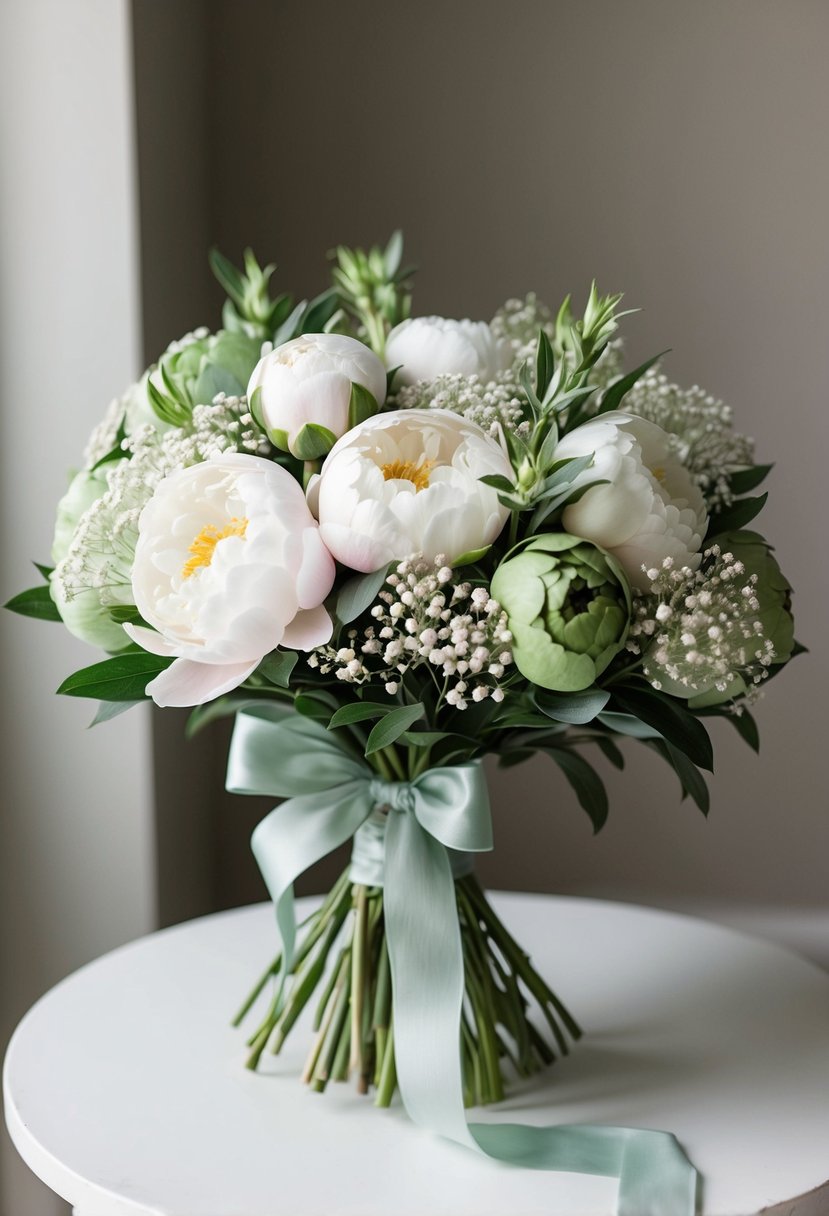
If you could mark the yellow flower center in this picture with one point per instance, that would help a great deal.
(407, 470)
(659, 473)
(203, 547)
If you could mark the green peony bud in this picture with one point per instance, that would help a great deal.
(193, 371)
(568, 605)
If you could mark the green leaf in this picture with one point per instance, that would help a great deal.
(127, 614)
(36, 602)
(545, 365)
(212, 380)
(276, 668)
(223, 707)
(740, 513)
(498, 482)
(123, 678)
(228, 276)
(362, 711)
(690, 778)
(45, 572)
(668, 716)
(470, 557)
(429, 738)
(111, 709)
(626, 724)
(358, 594)
(586, 782)
(317, 705)
(616, 391)
(577, 708)
(320, 311)
(392, 726)
(746, 728)
(393, 253)
(610, 751)
(743, 480)
(313, 442)
(361, 405)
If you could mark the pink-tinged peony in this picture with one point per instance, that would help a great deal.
(229, 564)
(308, 381)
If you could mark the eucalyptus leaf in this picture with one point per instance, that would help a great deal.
(577, 708)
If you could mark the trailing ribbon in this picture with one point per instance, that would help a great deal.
(331, 793)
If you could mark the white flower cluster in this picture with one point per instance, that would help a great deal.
(519, 322)
(702, 430)
(459, 631)
(700, 631)
(490, 405)
(100, 556)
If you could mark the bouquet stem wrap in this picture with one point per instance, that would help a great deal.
(331, 793)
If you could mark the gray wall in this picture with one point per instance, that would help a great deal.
(674, 151)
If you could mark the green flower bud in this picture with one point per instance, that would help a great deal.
(195, 370)
(568, 605)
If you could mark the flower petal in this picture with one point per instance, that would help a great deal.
(186, 683)
(308, 629)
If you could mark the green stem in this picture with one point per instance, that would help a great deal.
(388, 1073)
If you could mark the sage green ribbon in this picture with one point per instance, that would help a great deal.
(331, 793)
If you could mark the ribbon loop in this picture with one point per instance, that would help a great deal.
(407, 837)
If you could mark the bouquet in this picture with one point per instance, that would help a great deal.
(392, 545)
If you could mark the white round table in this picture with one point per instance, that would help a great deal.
(126, 1093)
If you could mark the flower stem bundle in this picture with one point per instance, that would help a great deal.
(512, 1023)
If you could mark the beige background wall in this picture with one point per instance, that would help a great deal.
(674, 151)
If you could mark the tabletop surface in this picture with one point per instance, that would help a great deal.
(126, 1093)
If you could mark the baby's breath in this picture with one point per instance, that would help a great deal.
(490, 405)
(701, 430)
(701, 629)
(100, 556)
(421, 617)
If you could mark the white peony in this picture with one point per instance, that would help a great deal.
(650, 507)
(229, 564)
(408, 482)
(308, 380)
(427, 347)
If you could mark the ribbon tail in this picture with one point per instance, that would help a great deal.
(426, 956)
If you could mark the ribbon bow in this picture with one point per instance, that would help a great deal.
(331, 793)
